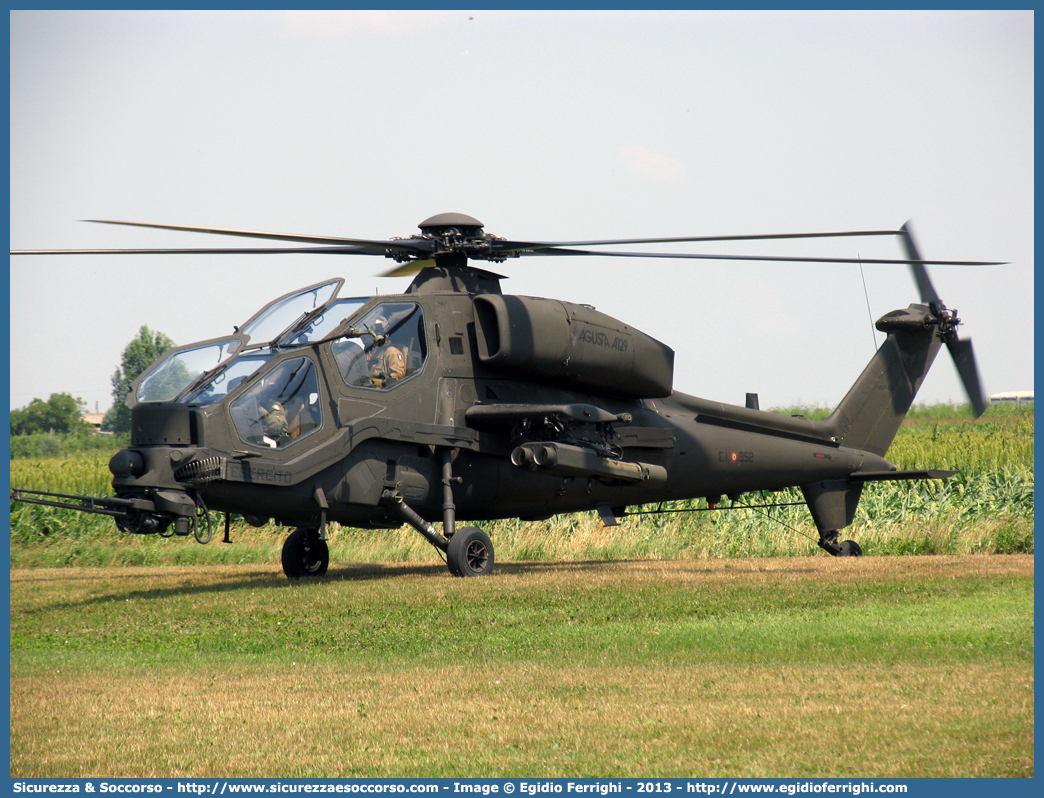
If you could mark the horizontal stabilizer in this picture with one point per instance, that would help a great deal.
(887, 476)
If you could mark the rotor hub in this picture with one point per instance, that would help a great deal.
(946, 320)
(455, 234)
(441, 223)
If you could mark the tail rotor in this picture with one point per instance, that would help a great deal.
(960, 350)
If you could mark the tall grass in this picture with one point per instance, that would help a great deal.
(985, 444)
(86, 474)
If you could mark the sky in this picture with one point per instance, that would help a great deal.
(544, 125)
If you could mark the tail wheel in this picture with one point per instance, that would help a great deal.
(304, 554)
(849, 548)
(470, 552)
(828, 541)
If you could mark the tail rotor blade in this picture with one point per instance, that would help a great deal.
(920, 273)
(964, 359)
(961, 351)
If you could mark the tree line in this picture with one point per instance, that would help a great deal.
(58, 420)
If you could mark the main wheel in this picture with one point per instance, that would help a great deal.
(470, 552)
(304, 554)
(850, 548)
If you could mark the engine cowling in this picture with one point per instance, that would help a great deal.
(572, 345)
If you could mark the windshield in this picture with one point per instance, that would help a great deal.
(181, 367)
(323, 324)
(229, 378)
(281, 407)
(279, 315)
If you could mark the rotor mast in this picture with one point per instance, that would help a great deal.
(457, 237)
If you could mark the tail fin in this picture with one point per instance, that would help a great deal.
(873, 409)
(870, 414)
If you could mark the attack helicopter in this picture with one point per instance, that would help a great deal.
(454, 402)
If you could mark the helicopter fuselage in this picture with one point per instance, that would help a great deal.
(505, 385)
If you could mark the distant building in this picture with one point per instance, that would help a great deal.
(1014, 397)
(95, 420)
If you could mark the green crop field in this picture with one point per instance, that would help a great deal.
(717, 643)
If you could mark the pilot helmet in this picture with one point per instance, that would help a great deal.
(273, 417)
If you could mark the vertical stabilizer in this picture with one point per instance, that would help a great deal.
(870, 414)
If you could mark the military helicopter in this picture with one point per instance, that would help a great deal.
(455, 402)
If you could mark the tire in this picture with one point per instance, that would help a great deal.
(304, 554)
(470, 552)
(850, 548)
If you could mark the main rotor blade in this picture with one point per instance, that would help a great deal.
(403, 245)
(964, 359)
(406, 269)
(791, 259)
(511, 246)
(211, 251)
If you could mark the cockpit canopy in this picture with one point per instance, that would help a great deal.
(281, 404)
(297, 318)
(385, 347)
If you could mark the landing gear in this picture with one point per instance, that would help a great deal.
(304, 554)
(470, 552)
(828, 541)
(849, 548)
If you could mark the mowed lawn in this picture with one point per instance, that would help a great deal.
(873, 667)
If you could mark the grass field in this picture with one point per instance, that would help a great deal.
(879, 667)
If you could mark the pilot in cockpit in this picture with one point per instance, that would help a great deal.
(273, 423)
(386, 362)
